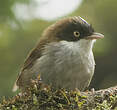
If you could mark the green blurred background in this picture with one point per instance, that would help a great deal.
(18, 36)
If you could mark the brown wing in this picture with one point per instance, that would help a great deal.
(34, 55)
(37, 51)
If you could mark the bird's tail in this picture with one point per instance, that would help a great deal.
(15, 87)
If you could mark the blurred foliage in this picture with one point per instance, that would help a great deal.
(6, 12)
(18, 37)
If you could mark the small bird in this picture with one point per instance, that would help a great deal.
(63, 57)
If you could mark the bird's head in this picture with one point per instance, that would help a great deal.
(71, 29)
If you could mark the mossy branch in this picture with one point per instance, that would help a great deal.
(43, 97)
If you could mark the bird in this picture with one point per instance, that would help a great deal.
(63, 56)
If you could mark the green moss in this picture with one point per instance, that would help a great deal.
(43, 97)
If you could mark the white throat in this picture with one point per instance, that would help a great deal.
(83, 46)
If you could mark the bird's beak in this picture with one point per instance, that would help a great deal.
(95, 36)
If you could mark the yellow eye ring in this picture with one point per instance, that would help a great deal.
(76, 34)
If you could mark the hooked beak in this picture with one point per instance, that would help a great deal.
(95, 36)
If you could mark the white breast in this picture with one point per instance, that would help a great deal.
(67, 64)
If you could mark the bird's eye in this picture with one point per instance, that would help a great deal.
(76, 34)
